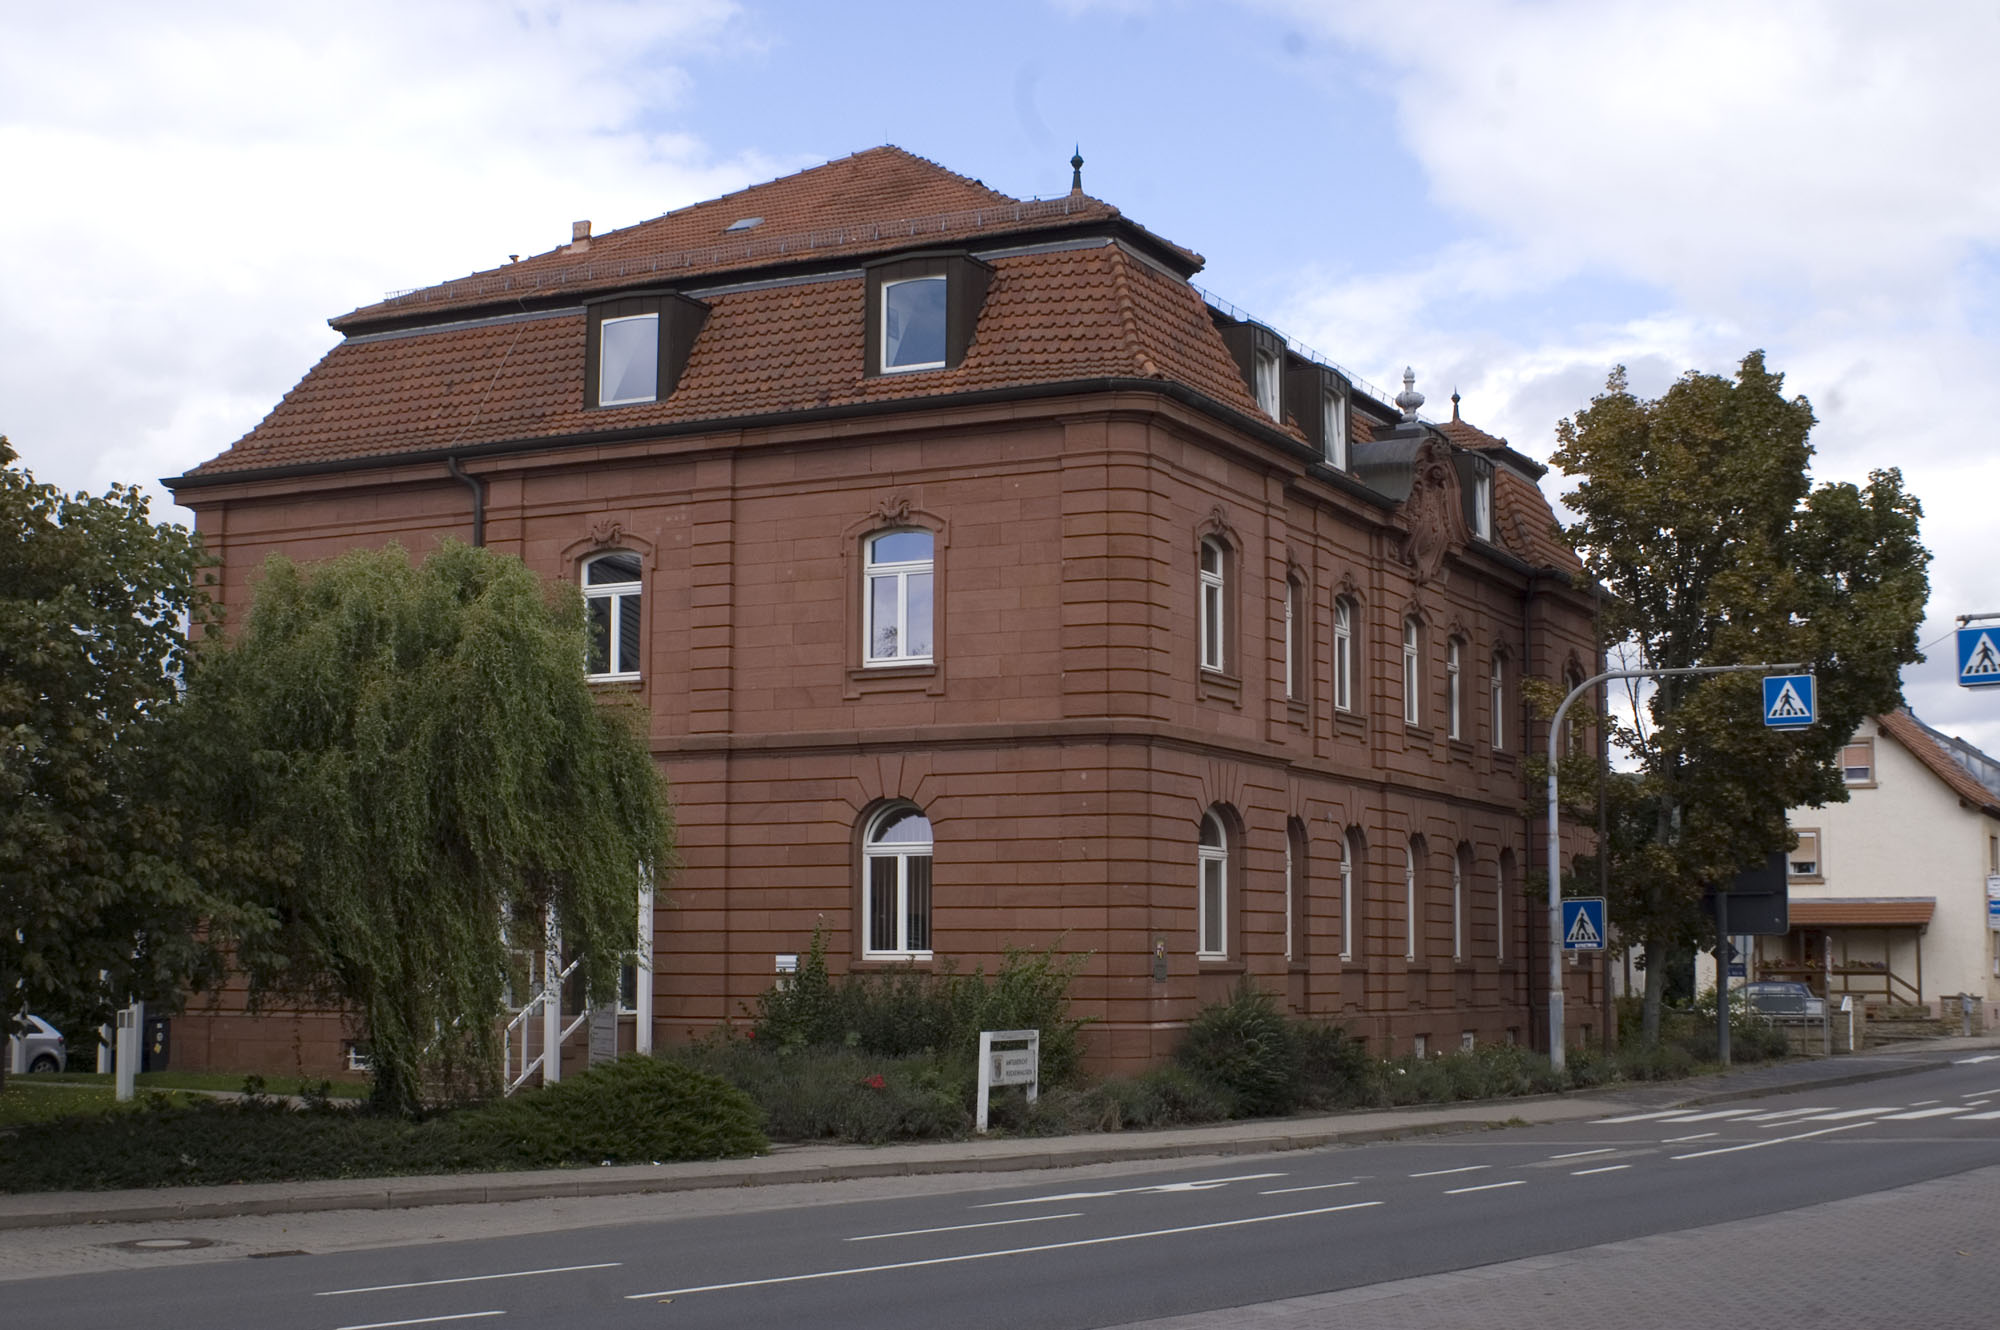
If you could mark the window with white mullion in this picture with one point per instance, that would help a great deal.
(1333, 426)
(1498, 688)
(1410, 901)
(1412, 672)
(1291, 881)
(612, 588)
(1343, 654)
(901, 577)
(1349, 853)
(1454, 705)
(1458, 905)
(1214, 605)
(896, 886)
(1212, 895)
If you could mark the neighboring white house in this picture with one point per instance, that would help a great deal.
(1889, 890)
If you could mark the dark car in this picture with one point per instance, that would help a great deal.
(1780, 997)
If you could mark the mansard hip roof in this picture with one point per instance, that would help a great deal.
(872, 202)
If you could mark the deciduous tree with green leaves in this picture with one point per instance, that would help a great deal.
(94, 880)
(414, 757)
(1697, 512)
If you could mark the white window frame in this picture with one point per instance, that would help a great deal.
(882, 356)
(1413, 673)
(1497, 686)
(1343, 654)
(1409, 900)
(1214, 592)
(1291, 888)
(1293, 674)
(1482, 506)
(616, 593)
(653, 396)
(1848, 769)
(1266, 366)
(1815, 867)
(1333, 426)
(1349, 848)
(1454, 700)
(1500, 910)
(902, 853)
(1212, 864)
(901, 571)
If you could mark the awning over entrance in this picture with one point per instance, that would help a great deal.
(1872, 912)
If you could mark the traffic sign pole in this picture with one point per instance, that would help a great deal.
(1557, 1053)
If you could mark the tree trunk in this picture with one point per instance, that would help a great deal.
(1656, 983)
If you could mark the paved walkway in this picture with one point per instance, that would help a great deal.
(825, 1163)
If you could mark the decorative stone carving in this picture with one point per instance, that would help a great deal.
(1432, 511)
(893, 509)
(607, 532)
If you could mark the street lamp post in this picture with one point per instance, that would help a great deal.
(1557, 1052)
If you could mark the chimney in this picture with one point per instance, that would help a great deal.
(579, 236)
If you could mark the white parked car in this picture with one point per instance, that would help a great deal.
(46, 1049)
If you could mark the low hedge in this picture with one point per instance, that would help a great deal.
(633, 1111)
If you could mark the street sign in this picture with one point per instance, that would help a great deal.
(1790, 701)
(1583, 923)
(1979, 657)
(1007, 1066)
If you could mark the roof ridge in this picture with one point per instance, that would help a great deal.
(1903, 726)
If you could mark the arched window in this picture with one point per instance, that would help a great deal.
(1411, 852)
(1295, 640)
(1212, 900)
(896, 884)
(1296, 891)
(1461, 873)
(1352, 851)
(899, 580)
(612, 584)
(1343, 653)
(1454, 655)
(1214, 603)
(1497, 685)
(1413, 671)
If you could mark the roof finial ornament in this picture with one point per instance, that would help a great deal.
(1409, 399)
(1076, 171)
(1454, 404)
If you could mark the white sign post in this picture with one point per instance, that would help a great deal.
(1008, 1066)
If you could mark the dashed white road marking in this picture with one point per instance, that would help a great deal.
(1845, 1114)
(1635, 1117)
(960, 1228)
(1981, 1117)
(1967, 1062)
(1488, 1186)
(1578, 1154)
(1977, 1103)
(1698, 1136)
(991, 1255)
(422, 1320)
(1788, 1113)
(1318, 1186)
(468, 1279)
(1775, 1140)
(1200, 1184)
(1710, 1117)
(1605, 1168)
(1443, 1172)
(1924, 1113)
(1919, 1103)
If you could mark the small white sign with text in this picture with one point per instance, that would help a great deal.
(1019, 1062)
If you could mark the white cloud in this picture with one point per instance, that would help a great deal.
(196, 188)
(1796, 175)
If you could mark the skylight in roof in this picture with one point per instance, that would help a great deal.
(744, 223)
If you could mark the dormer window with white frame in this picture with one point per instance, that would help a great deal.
(628, 362)
(1482, 505)
(913, 324)
(1267, 384)
(1333, 428)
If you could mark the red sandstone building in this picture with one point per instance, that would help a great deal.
(987, 584)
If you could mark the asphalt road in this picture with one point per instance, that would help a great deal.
(1075, 1248)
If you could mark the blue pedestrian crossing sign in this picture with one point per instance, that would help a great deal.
(1790, 701)
(1979, 657)
(1583, 923)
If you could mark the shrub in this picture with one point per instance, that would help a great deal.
(1245, 1047)
(1334, 1071)
(813, 1094)
(634, 1110)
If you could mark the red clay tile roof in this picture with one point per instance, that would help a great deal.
(1471, 436)
(1048, 318)
(1526, 524)
(872, 202)
(1901, 726)
(1880, 912)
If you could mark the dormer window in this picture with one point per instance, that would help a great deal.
(1333, 428)
(921, 311)
(913, 324)
(638, 345)
(1267, 383)
(1482, 505)
(628, 360)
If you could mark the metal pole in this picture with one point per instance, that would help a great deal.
(1556, 1054)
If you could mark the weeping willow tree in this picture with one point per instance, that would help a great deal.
(395, 758)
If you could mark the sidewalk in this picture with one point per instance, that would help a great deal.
(827, 1163)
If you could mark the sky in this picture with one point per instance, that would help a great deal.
(1509, 196)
